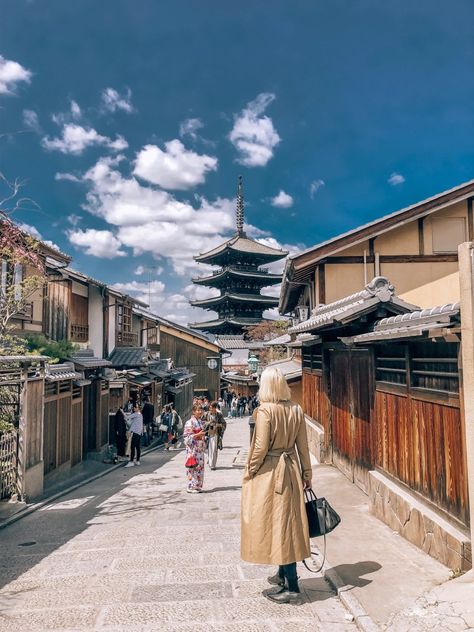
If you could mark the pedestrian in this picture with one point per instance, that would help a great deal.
(273, 517)
(166, 421)
(120, 429)
(135, 426)
(176, 427)
(242, 405)
(215, 426)
(194, 440)
(148, 412)
(233, 406)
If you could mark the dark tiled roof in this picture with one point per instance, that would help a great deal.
(236, 297)
(378, 291)
(239, 243)
(414, 324)
(232, 342)
(85, 359)
(129, 356)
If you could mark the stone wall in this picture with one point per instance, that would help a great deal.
(418, 523)
(315, 438)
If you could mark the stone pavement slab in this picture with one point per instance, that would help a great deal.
(133, 551)
(385, 572)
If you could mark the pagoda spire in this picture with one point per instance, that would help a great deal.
(240, 207)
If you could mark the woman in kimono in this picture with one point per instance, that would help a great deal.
(194, 440)
(274, 522)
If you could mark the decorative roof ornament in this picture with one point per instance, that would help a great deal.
(240, 207)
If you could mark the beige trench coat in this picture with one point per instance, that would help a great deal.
(273, 517)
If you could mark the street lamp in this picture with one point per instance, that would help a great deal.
(303, 313)
(253, 363)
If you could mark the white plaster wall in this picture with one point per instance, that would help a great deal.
(96, 317)
(112, 317)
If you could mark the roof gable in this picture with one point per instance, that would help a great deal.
(378, 292)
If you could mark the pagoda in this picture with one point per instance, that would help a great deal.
(239, 278)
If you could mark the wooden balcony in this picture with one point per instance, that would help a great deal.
(126, 339)
(79, 333)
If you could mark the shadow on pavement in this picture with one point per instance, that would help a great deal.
(222, 489)
(351, 574)
(25, 543)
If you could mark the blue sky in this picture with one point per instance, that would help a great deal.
(130, 121)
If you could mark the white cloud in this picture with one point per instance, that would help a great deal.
(315, 186)
(31, 120)
(75, 139)
(395, 179)
(253, 134)
(189, 127)
(282, 200)
(12, 73)
(174, 168)
(69, 177)
(98, 243)
(152, 270)
(73, 114)
(113, 101)
(152, 221)
(74, 219)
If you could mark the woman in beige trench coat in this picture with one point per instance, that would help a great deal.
(273, 517)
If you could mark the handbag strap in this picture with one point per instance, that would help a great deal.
(314, 554)
(309, 493)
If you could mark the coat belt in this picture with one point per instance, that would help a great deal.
(284, 461)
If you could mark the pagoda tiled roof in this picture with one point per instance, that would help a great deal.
(241, 243)
(236, 297)
(219, 322)
(261, 275)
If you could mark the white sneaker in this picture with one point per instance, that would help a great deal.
(193, 491)
(130, 464)
(137, 463)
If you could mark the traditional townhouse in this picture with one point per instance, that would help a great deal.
(381, 377)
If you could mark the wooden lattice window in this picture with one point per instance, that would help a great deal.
(391, 364)
(434, 366)
(124, 318)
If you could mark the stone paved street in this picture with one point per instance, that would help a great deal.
(133, 551)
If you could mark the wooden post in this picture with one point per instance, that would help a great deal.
(466, 282)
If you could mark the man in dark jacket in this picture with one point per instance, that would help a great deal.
(148, 413)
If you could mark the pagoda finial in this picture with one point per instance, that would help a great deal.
(240, 207)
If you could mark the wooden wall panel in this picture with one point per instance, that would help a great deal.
(34, 427)
(76, 431)
(421, 443)
(193, 357)
(49, 447)
(64, 430)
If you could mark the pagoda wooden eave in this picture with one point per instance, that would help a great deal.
(257, 299)
(241, 245)
(256, 275)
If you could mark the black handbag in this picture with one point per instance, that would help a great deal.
(322, 519)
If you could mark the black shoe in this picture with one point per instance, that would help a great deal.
(276, 580)
(284, 596)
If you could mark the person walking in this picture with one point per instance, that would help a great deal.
(194, 440)
(148, 412)
(233, 407)
(215, 426)
(166, 419)
(176, 427)
(135, 426)
(120, 429)
(273, 517)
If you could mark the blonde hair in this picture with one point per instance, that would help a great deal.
(273, 386)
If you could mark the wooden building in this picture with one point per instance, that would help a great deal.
(381, 389)
(415, 247)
